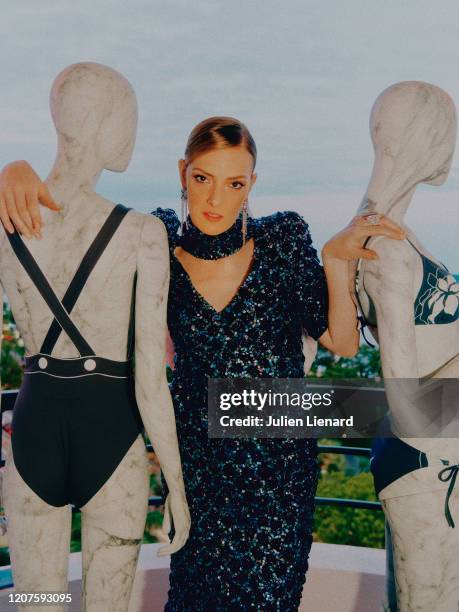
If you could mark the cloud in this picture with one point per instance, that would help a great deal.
(303, 77)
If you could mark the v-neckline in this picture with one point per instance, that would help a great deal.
(253, 262)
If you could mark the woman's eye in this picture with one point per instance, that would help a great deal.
(237, 184)
(200, 178)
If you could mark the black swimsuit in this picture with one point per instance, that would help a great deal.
(75, 418)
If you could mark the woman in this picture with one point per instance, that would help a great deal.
(241, 292)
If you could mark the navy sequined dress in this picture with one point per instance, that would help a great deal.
(251, 500)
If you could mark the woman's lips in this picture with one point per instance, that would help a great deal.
(212, 216)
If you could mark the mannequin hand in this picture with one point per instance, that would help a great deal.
(20, 191)
(175, 507)
(348, 243)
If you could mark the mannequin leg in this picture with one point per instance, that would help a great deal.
(426, 550)
(38, 539)
(390, 573)
(113, 522)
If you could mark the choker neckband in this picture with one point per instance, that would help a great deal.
(205, 246)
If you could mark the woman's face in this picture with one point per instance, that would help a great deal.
(217, 183)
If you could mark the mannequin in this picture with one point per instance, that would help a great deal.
(95, 114)
(413, 128)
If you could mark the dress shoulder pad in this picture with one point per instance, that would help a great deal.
(285, 227)
(170, 219)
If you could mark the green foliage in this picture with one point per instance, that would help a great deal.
(155, 484)
(12, 352)
(75, 538)
(11, 369)
(348, 525)
(155, 520)
(343, 476)
(366, 364)
(148, 538)
(4, 556)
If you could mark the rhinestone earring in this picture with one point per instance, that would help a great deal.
(245, 207)
(184, 201)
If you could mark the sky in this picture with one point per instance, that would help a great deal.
(303, 75)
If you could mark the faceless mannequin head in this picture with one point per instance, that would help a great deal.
(413, 128)
(94, 108)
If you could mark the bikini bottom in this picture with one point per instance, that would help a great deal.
(392, 458)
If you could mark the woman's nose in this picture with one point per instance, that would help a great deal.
(216, 196)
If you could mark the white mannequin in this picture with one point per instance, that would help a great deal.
(413, 128)
(95, 113)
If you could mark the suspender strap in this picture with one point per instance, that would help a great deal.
(59, 309)
(131, 331)
(41, 283)
(84, 270)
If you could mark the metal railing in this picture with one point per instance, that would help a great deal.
(323, 501)
(9, 397)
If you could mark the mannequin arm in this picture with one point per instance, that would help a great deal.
(390, 284)
(151, 387)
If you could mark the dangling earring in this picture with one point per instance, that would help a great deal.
(245, 207)
(184, 200)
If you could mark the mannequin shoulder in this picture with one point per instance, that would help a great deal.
(144, 227)
(153, 247)
(391, 251)
(153, 231)
(398, 265)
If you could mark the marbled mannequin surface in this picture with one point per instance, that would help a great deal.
(95, 114)
(413, 127)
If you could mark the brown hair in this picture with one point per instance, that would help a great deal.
(217, 133)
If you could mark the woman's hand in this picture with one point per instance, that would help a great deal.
(21, 189)
(348, 243)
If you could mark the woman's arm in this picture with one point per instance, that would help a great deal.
(327, 310)
(21, 190)
(342, 335)
(151, 387)
(321, 293)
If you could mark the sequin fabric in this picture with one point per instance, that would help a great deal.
(206, 246)
(251, 500)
